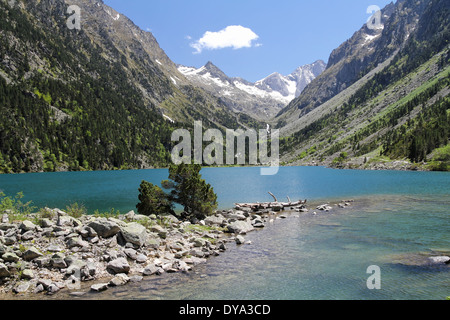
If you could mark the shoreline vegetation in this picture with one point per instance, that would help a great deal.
(379, 163)
(439, 160)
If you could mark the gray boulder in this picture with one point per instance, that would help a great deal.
(141, 258)
(196, 252)
(3, 250)
(324, 207)
(134, 233)
(54, 288)
(4, 272)
(7, 226)
(169, 217)
(9, 240)
(46, 223)
(119, 280)
(29, 235)
(238, 215)
(10, 257)
(76, 242)
(119, 265)
(99, 287)
(88, 232)
(21, 287)
(131, 253)
(153, 243)
(104, 227)
(54, 248)
(27, 226)
(31, 254)
(160, 231)
(57, 261)
(199, 242)
(75, 267)
(150, 269)
(440, 260)
(45, 283)
(240, 240)
(239, 227)
(27, 274)
(42, 262)
(215, 220)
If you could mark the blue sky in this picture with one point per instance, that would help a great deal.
(248, 38)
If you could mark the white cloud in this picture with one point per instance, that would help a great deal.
(235, 37)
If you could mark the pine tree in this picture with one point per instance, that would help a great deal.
(153, 200)
(191, 191)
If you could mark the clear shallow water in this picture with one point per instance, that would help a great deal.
(397, 216)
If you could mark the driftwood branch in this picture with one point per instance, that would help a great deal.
(276, 206)
(273, 196)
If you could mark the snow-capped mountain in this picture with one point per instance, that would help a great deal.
(262, 99)
(292, 86)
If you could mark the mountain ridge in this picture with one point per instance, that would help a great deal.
(108, 97)
(262, 99)
(378, 113)
(101, 97)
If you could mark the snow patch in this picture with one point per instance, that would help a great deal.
(168, 118)
(263, 94)
(368, 38)
(117, 17)
(207, 76)
(188, 71)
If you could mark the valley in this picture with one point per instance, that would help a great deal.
(108, 97)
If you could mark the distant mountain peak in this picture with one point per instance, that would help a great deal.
(263, 98)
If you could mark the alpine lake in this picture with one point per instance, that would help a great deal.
(397, 221)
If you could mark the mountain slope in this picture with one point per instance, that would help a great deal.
(357, 56)
(398, 110)
(263, 99)
(92, 98)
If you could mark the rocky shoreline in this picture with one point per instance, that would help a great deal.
(60, 252)
(395, 165)
(361, 164)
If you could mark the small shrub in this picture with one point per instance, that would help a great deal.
(45, 213)
(17, 210)
(75, 210)
(113, 213)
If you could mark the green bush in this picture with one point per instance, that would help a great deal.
(342, 157)
(14, 206)
(75, 210)
(110, 214)
(442, 154)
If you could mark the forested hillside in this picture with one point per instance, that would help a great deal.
(93, 98)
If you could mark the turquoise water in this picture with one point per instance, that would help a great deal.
(396, 221)
(104, 190)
